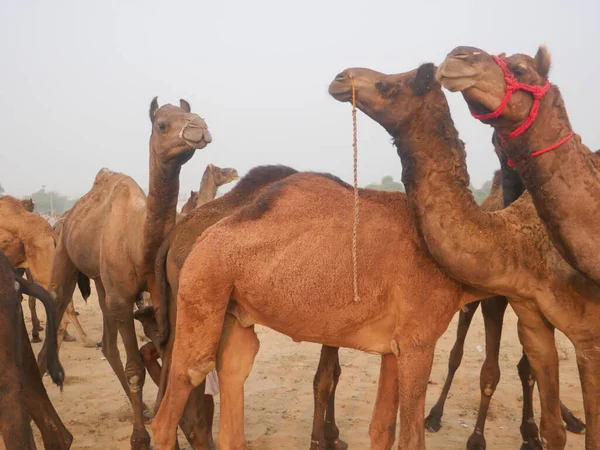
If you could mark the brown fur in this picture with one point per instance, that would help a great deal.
(506, 252)
(297, 280)
(564, 182)
(112, 234)
(28, 205)
(22, 393)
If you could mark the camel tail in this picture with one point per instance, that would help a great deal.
(83, 281)
(160, 272)
(55, 368)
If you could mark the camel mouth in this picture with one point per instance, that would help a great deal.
(197, 138)
(455, 75)
(340, 89)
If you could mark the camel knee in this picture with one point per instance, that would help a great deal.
(148, 352)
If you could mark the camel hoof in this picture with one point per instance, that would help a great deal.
(140, 440)
(433, 424)
(476, 442)
(36, 339)
(574, 425)
(143, 314)
(336, 444)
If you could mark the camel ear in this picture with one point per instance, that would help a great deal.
(543, 61)
(153, 108)
(502, 55)
(192, 193)
(424, 78)
(185, 105)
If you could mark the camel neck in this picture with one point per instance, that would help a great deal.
(208, 188)
(458, 234)
(561, 182)
(161, 205)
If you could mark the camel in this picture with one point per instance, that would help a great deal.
(513, 95)
(28, 204)
(169, 261)
(28, 242)
(112, 234)
(23, 393)
(506, 188)
(506, 252)
(297, 280)
(212, 179)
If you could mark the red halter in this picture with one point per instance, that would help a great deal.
(513, 85)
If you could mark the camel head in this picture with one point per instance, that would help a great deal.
(176, 132)
(390, 100)
(193, 198)
(223, 176)
(486, 82)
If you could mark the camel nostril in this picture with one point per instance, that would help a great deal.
(340, 77)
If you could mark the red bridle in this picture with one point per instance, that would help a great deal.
(538, 93)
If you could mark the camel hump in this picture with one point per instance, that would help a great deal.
(12, 204)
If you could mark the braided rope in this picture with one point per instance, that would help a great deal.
(356, 203)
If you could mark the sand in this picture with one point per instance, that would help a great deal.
(279, 402)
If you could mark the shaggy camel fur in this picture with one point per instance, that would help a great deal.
(169, 261)
(112, 234)
(212, 179)
(297, 280)
(23, 393)
(544, 290)
(28, 241)
(506, 188)
(563, 182)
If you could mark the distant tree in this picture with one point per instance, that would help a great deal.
(387, 184)
(481, 193)
(1, 189)
(45, 202)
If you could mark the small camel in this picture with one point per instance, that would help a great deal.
(212, 179)
(170, 259)
(507, 252)
(112, 234)
(28, 241)
(284, 261)
(23, 394)
(513, 95)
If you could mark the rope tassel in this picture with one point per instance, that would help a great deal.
(356, 203)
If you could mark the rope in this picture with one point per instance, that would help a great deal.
(355, 226)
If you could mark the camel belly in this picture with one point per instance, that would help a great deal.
(322, 327)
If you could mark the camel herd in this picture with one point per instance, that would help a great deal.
(275, 251)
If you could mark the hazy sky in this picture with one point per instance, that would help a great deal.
(77, 78)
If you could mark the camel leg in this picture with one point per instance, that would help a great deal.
(493, 316)
(433, 422)
(118, 318)
(382, 430)
(237, 349)
(414, 361)
(149, 357)
(36, 327)
(325, 433)
(588, 363)
(529, 429)
(54, 433)
(537, 338)
(332, 432)
(74, 320)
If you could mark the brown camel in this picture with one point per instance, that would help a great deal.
(212, 179)
(170, 258)
(23, 394)
(28, 204)
(28, 241)
(559, 171)
(506, 188)
(112, 234)
(507, 252)
(297, 280)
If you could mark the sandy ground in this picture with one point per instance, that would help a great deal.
(279, 403)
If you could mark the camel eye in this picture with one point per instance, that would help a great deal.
(162, 126)
(519, 71)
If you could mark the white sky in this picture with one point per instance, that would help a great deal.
(77, 78)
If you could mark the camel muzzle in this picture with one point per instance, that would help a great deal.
(195, 133)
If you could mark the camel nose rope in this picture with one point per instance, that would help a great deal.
(356, 204)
